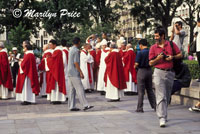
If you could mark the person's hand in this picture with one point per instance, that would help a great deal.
(81, 75)
(160, 56)
(169, 58)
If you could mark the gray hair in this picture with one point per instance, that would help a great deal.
(2, 45)
(113, 45)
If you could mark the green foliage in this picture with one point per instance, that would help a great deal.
(18, 35)
(154, 12)
(194, 68)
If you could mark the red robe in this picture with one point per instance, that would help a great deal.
(122, 53)
(114, 70)
(56, 66)
(98, 58)
(28, 66)
(5, 73)
(93, 53)
(49, 78)
(129, 61)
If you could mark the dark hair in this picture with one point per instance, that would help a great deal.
(143, 42)
(26, 42)
(198, 20)
(54, 42)
(179, 23)
(29, 47)
(160, 30)
(76, 40)
(63, 42)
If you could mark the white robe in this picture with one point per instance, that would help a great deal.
(55, 94)
(65, 62)
(27, 94)
(102, 69)
(84, 60)
(131, 86)
(112, 92)
(5, 93)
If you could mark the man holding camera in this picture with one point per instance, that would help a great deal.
(178, 34)
(161, 57)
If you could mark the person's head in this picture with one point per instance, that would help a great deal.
(198, 22)
(93, 36)
(143, 43)
(179, 25)
(10, 53)
(86, 46)
(1, 45)
(45, 47)
(128, 46)
(104, 44)
(98, 39)
(14, 49)
(27, 47)
(104, 36)
(159, 35)
(123, 46)
(63, 42)
(112, 46)
(26, 42)
(77, 41)
(52, 44)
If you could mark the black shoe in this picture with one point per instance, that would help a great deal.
(25, 103)
(44, 96)
(66, 100)
(87, 107)
(139, 111)
(114, 100)
(88, 91)
(102, 92)
(56, 102)
(198, 80)
(75, 109)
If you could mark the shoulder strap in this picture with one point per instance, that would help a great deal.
(172, 46)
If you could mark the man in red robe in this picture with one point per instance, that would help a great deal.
(6, 86)
(27, 82)
(45, 75)
(122, 50)
(114, 75)
(55, 65)
(129, 70)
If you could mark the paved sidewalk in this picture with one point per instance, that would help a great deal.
(104, 118)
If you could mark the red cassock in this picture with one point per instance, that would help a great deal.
(28, 66)
(49, 78)
(129, 61)
(93, 54)
(5, 73)
(98, 58)
(56, 66)
(114, 70)
(122, 53)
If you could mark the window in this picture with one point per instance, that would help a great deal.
(37, 43)
(45, 34)
(45, 42)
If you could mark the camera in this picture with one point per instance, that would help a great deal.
(164, 55)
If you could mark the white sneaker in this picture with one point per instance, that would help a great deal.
(162, 122)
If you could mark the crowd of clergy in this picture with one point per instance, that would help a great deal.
(107, 66)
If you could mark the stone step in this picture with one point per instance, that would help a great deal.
(192, 92)
(183, 100)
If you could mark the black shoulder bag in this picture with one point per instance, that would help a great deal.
(176, 62)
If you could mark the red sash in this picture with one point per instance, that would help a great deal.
(89, 70)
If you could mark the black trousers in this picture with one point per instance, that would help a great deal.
(15, 69)
(144, 81)
(198, 58)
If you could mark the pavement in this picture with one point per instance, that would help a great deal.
(104, 118)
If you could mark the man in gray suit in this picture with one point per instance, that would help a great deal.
(75, 75)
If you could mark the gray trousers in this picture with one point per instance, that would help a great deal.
(144, 81)
(76, 87)
(163, 81)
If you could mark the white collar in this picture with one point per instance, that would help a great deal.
(29, 52)
(58, 48)
(115, 50)
(4, 50)
(48, 50)
(65, 48)
(130, 49)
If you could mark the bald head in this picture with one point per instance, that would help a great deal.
(2, 45)
(128, 46)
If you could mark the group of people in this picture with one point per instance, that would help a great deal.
(108, 67)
